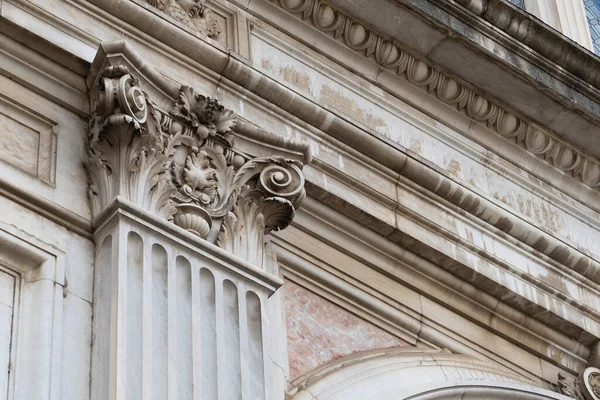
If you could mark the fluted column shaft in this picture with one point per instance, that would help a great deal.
(175, 317)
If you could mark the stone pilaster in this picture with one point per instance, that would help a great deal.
(182, 196)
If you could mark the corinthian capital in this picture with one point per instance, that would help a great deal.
(191, 161)
(586, 386)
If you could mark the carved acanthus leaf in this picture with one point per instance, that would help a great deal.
(270, 189)
(182, 166)
(126, 155)
(243, 229)
(224, 121)
(205, 114)
(569, 387)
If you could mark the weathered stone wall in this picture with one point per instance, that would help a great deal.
(319, 332)
(44, 241)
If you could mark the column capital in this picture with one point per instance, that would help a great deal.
(586, 386)
(183, 156)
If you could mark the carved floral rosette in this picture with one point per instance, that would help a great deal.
(181, 164)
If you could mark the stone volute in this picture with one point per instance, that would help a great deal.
(186, 158)
(586, 386)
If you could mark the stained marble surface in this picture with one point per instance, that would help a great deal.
(319, 331)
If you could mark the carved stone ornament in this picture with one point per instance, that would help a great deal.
(192, 13)
(181, 164)
(394, 57)
(585, 387)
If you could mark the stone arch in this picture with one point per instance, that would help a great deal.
(395, 374)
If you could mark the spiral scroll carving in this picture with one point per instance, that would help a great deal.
(126, 155)
(590, 383)
(282, 182)
(182, 165)
(270, 188)
(391, 56)
(586, 386)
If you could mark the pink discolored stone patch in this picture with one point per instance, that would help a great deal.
(318, 331)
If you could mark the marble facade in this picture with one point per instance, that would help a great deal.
(298, 199)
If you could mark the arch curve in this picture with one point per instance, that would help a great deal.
(409, 374)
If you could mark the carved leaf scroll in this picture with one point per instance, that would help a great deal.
(243, 228)
(126, 156)
(586, 386)
(205, 114)
(182, 165)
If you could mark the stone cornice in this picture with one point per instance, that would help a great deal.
(392, 56)
(538, 36)
(409, 220)
(371, 251)
(480, 53)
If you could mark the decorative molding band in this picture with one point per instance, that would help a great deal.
(46, 208)
(413, 325)
(184, 165)
(390, 55)
(509, 320)
(536, 35)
